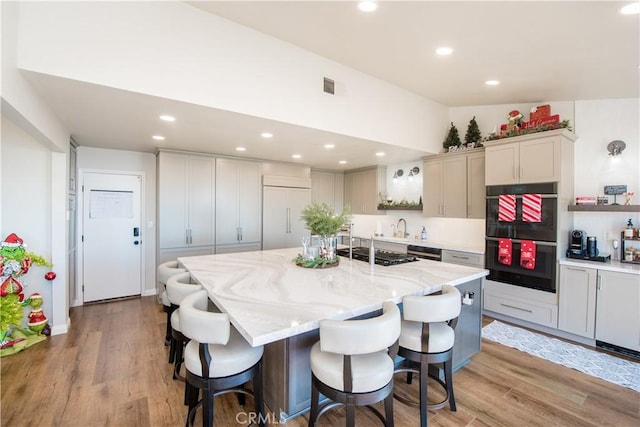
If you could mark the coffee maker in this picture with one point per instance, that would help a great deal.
(585, 247)
(577, 244)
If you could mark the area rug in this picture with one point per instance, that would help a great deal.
(597, 364)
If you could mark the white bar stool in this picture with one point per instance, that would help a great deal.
(166, 270)
(426, 340)
(352, 364)
(217, 358)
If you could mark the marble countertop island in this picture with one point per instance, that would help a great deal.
(269, 298)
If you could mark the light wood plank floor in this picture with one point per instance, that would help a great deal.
(111, 369)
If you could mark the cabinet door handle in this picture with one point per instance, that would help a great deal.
(190, 237)
(240, 228)
(186, 236)
(598, 282)
(288, 220)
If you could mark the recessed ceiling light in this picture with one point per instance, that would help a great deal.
(241, 149)
(343, 162)
(266, 135)
(631, 9)
(367, 6)
(492, 82)
(329, 146)
(167, 118)
(158, 137)
(444, 51)
(379, 154)
(296, 156)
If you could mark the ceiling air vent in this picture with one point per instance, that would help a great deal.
(329, 86)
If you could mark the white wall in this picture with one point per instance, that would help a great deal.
(26, 205)
(98, 159)
(210, 61)
(599, 122)
(26, 120)
(19, 100)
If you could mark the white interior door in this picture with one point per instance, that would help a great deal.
(111, 236)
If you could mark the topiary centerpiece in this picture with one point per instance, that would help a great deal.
(321, 220)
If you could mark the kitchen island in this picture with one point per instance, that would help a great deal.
(273, 302)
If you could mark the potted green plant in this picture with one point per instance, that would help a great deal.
(322, 220)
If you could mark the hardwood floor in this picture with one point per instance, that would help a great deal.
(111, 369)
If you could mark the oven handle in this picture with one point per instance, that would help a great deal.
(519, 196)
(539, 243)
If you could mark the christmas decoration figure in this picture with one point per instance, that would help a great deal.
(37, 319)
(515, 120)
(452, 140)
(15, 262)
(473, 135)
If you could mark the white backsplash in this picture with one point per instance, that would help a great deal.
(455, 231)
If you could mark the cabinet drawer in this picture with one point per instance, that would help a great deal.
(534, 312)
(463, 258)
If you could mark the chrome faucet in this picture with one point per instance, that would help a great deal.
(404, 230)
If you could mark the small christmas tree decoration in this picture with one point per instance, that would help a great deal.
(473, 135)
(452, 140)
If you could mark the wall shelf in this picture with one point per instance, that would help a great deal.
(604, 208)
(399, 208)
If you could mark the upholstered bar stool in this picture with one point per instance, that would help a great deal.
(427, 338)
(179, 286)
(217, 358)
(166, 270)
(352, 364)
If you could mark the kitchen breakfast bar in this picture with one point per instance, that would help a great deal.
(274, 302)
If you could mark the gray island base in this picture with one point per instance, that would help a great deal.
(275, 303)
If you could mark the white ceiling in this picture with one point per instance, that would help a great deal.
(540, 51)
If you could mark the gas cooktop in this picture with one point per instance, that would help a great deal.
(382, 257)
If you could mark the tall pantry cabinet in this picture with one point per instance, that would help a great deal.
(238, 206)
(186, 202)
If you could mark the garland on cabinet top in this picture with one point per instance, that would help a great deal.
(15, 262)
(540, 120)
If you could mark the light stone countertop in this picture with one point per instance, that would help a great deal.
(616, 266)
(269, 298)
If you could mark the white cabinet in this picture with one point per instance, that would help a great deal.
(281, 223)
(185, 200)
(453, 185)
(238, 205)
(529, 158)
(362, 189)
(577, 305)
(618, 309)
(476, 193)
(328, 187)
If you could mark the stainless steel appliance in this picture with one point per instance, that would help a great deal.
(541, 273)
(382, 257)
(434, 254)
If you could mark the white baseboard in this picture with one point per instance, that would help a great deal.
(61, 329)
(149, 292)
